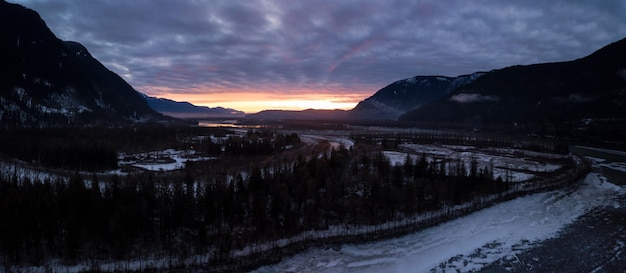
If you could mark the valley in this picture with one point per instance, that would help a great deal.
(515, 168)
(315, 203)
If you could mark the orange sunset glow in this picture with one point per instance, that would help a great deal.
(253, 102)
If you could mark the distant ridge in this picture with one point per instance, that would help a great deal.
(186, 110)
(308, 114)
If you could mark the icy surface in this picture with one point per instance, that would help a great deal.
(467, 243)
(618, 166)
(335, 141)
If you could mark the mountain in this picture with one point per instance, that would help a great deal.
(187, 110)
(46, 82)
(404, 95)
(308, 114)
(574, 94)
(388, 103)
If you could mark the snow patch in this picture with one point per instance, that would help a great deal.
(464, 80)
(408, 81)
(65, 103)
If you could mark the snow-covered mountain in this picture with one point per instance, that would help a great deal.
(404, 95)
(46, 82)
(186, 110)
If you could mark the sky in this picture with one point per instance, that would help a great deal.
(283, 54)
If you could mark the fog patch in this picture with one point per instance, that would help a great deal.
(472, 97)
(578, 98)
(573, 98)
(622, 74)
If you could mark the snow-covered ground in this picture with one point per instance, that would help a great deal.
(469, 243)
(166, 160)
(519, 165)
(24, 171)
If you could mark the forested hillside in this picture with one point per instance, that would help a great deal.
(582, 98)
(215, 209)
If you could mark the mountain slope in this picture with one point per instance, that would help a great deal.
(46, 82)
(180, 109)
(571, 94)
(408, 94)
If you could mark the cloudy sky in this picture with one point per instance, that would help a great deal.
(285, 54)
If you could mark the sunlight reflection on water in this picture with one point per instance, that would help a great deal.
(228, 124)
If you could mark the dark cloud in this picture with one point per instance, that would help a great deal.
(338, 46)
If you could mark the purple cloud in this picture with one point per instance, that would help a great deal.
(352, 46)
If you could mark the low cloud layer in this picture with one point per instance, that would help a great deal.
(472, 97)
(338, 47)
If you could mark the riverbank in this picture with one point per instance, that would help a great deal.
(274, 252)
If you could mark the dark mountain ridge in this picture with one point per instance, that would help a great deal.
(308, 114)
(572, 94)
(46, 82)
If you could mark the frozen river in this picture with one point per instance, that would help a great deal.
(576, 228)
(595, 242)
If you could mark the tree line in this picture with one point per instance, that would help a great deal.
(253, 143)
(492, 140)
(94, 148)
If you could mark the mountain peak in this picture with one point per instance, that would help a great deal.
(77, 49)
(48, 82)
(407, 94)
